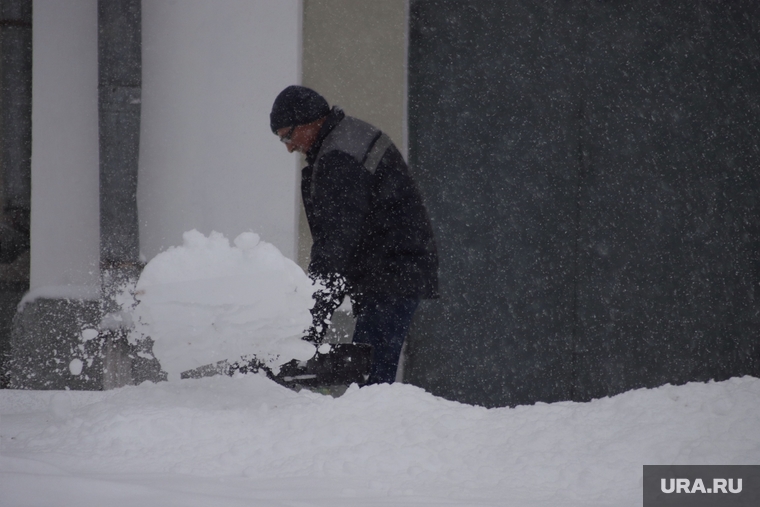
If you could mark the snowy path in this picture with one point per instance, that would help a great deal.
(247, 441)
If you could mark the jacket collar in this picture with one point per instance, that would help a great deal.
(336, 116)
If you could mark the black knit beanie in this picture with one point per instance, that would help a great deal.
(297, 105)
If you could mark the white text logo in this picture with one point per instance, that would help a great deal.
(685, 486)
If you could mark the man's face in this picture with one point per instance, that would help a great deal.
(294, 138)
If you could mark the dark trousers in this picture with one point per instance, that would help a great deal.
(384, 322)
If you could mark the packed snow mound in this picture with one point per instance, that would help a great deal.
(378, 442)
(207, 300)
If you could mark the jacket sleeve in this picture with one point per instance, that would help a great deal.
(340, 201)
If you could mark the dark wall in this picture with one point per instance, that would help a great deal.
(119, 91)
(15, 164)
(591, 170)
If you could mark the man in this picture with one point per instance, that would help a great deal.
(372, 236)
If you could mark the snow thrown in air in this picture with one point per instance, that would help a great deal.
(207, 300)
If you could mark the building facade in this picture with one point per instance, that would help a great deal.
(591, 172)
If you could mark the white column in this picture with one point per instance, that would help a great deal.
(208, 160)
(65, 204)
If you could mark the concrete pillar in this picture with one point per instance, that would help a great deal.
(64, 273)
(119, 93)
(119, 97)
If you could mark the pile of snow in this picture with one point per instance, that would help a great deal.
(207, 300)
(247, 441)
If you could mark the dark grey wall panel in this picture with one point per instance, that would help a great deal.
(670, 210)
(591, 173)
(493, 143)
(15, 163)
(119, 91)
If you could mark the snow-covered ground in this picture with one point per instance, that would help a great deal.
(247, 441)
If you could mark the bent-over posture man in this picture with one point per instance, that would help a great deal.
(372, 236)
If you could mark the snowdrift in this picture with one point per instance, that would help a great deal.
(248, 441)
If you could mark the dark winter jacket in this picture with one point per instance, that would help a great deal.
(366, 214)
